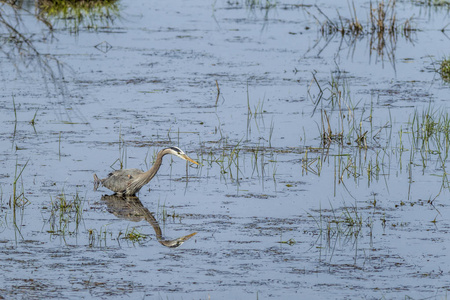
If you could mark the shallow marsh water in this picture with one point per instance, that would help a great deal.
(278, 211)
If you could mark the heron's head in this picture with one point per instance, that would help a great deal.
(178, 152)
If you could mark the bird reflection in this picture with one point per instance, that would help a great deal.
(131, 208)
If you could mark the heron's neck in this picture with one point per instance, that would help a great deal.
(152, 221)
(154, 169)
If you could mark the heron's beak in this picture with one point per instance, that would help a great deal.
(186, 237)
(190, 159)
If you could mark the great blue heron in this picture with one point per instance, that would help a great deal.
(131, 208)
(130, 181)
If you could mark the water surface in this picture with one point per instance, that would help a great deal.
(279, 211)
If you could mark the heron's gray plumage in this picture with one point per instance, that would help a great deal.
(130, 181)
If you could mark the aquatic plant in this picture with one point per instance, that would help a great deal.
(19, 200)
(262, 4)
(343, 226)
(76, 14)
(63, 213)
(33, 121)
(134, 235)
(122, 159)
(290, 242)
(16, 196)
(445, 69)
(257, 114)
(335, 95)
(382, 18)
(98, 237)
(382, 28)
(431, 131)
(435, 2)
(15, 120)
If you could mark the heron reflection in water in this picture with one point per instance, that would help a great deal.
(130, 181)
(131, 208)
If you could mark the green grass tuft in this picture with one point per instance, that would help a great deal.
(445, 69)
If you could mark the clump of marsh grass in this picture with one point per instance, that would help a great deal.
(382, 19)
(33, 121)
(257, 113)
(343, 226)
(336, 97)
(18, 198)
(122, 159)
(382, 27)
(134, 235)
(63, 213)
(435, 2)
(429, 135)
(444, 70)
(290, 242)
(327, 133)
(431, 131)
(76, 14)
(343, 26)
(99, 237)
(335, 94)
(163, 214)
(262, 4)
(348, 127)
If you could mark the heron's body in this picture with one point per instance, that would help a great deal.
(121, 180)
(130, 181)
